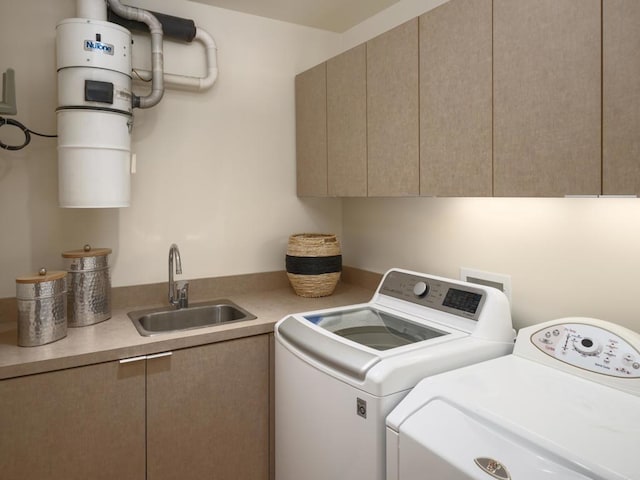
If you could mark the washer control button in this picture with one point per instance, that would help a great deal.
(361, 407)
(420, 289)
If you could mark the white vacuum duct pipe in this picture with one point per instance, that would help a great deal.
(92, 9)
(188, 82)
(155, 27)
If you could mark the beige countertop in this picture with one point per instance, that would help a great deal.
(117, 338)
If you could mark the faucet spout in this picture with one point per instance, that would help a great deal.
(178, 294)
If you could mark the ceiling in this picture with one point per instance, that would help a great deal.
(333, 15)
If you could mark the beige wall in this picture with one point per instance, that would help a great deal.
(216, 170)
(566, 256)
(393, 16)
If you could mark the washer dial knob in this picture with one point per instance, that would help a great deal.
(420, 289)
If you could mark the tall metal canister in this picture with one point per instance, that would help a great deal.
(42, 308)
(89, 289)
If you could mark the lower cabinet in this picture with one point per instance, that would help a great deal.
(76, 424)
(200, 412)
(208, 412)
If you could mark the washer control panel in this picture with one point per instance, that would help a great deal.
(589, 347)
(462, 299)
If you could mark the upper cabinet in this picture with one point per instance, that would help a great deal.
(455, 99)
(621, 97)
(347, 123)
(547, 97)
(479, 98)
(311, 132)
(392, 112)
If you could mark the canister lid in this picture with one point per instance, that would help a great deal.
(42, 276)
(87, 251)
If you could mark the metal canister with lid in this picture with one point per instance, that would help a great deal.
(89, 293)
(42, 307)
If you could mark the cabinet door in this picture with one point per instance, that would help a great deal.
(82, 423)
(208, 412)
(392, 112)
(455, 99)
(547, 97)
(621, 97)
(347, 123)
(311, 132)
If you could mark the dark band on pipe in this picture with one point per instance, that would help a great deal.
(172, 27)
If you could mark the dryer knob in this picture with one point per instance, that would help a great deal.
(587, 346)
(420, 289)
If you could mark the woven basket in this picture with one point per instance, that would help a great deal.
(314, 263)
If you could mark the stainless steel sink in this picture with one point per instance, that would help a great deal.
(197, 315)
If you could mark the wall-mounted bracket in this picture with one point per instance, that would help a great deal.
(8, 104)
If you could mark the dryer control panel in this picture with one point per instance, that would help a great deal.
(589, 347)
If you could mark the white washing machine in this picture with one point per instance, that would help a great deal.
(564, 406)
(340, 371)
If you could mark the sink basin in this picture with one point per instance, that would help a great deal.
(198, 315)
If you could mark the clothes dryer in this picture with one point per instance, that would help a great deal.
(565, 405)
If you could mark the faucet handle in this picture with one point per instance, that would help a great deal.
(182, 288)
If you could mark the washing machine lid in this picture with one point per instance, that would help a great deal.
(337, 350)
(520, 419)
(373, 327)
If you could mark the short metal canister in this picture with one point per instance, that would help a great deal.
(42, 308)
(89, 292)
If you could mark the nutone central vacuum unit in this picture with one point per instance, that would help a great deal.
(95, 99)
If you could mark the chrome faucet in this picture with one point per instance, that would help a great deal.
(177, 289)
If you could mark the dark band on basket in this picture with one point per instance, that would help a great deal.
(313, 265)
